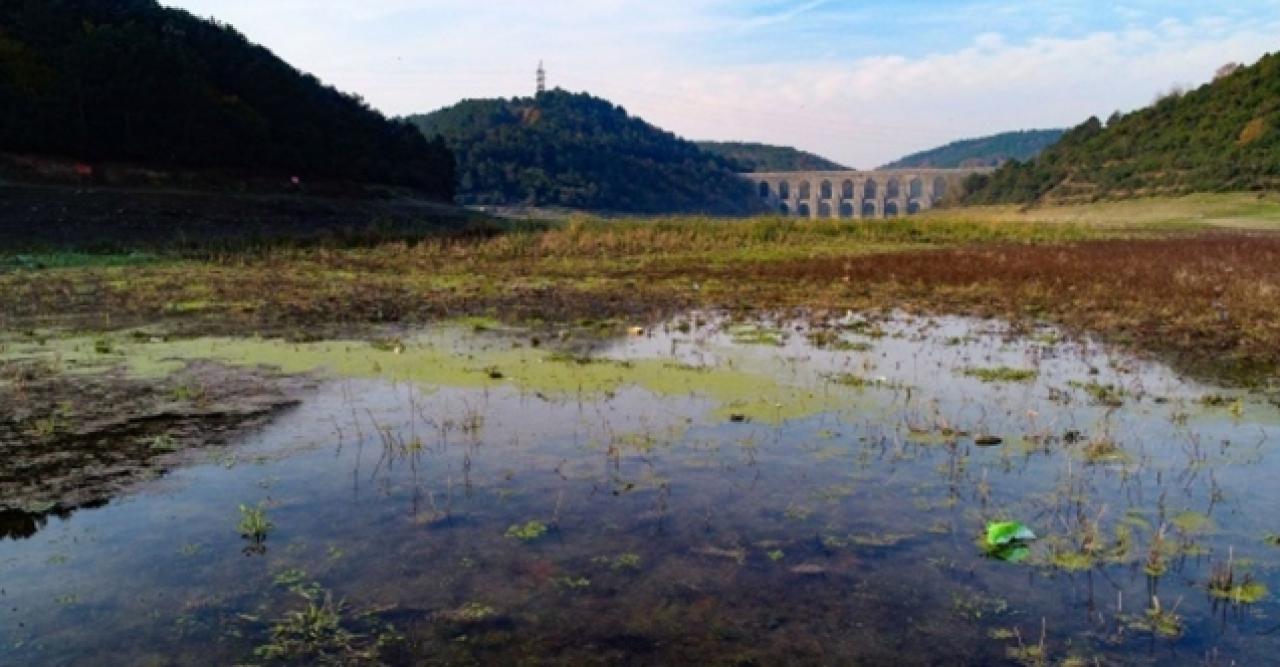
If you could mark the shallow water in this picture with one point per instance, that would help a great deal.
(697, 500)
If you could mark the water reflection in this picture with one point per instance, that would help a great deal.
(829, 514)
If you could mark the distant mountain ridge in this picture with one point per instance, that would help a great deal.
(990, 151)
(1223, 136)
(131, 81)
(755, 157)
(572, 150)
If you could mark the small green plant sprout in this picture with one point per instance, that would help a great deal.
(1002, 374)
(529, 532)
(1224, 585)
(627, 561)
(163, 443)
(1008, 541)
(1162, 622)
(1108, 395)
(776, 555)
(254, 524)
(575, 583)
(317, 635)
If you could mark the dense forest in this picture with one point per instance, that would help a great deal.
(131, 81)
(1224, 135)
(991, 151)
(571, 150)
(766, 158)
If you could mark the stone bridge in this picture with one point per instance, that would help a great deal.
(858, 194)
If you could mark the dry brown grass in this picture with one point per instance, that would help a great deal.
(1206, 301)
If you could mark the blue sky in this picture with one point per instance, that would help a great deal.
(860, 81)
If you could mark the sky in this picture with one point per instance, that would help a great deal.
(862, 82)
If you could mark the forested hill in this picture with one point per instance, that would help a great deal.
(991, 151)
(1224, 135)
(766, 158)
(578, 151)
(131, 81)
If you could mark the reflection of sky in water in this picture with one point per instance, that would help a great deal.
(849, 533)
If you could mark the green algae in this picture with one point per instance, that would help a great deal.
(455, 357)
(528, 532)
(1247, 592)
(1190, 523)
(1002, 374)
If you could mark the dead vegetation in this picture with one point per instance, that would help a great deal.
(1206, 301)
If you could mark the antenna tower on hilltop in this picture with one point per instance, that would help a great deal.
(542, 78)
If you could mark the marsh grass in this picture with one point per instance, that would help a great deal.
(1002, 374)
(1207, 301)
(253, 524)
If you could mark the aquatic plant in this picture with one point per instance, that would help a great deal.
(1160, 621)
(253, 524)
(317, 634)
(1002, 374)
(1224, 585)
(1103, 449)
(1008, 541)
(775, 555)
(574, 583)
(757, 335)
(528, 532)
(627, 561)
(1108, 395)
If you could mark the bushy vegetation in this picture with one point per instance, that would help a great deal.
(991, 151)
(1223, 136)
(766, 158)
(131, 81)
(577, 151)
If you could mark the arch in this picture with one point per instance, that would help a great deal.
(784, 209)
(893, 189)
(939, 189)
(764, 189)
(846, 189)
(824, 190)
(824, 210)
(869, 189)
(913, 207)
(891, 209)
(915, 188)
(805, 192)
(803, 210)
(784, 190)
(869, 209)
(846, 210)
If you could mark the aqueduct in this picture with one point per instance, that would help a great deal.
(857, 194)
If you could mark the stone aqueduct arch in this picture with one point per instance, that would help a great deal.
(857, 194)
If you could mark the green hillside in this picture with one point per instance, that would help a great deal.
(131, 81)
(1223, 136)
(990, 151)
(766, 158)
(578, 151)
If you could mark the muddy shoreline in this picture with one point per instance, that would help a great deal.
(72, 440)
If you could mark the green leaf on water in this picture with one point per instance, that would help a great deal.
(1011, 553)
(1003, 533)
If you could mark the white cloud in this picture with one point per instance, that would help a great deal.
(657, 58)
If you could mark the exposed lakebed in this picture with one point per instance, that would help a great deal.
(704, 491)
